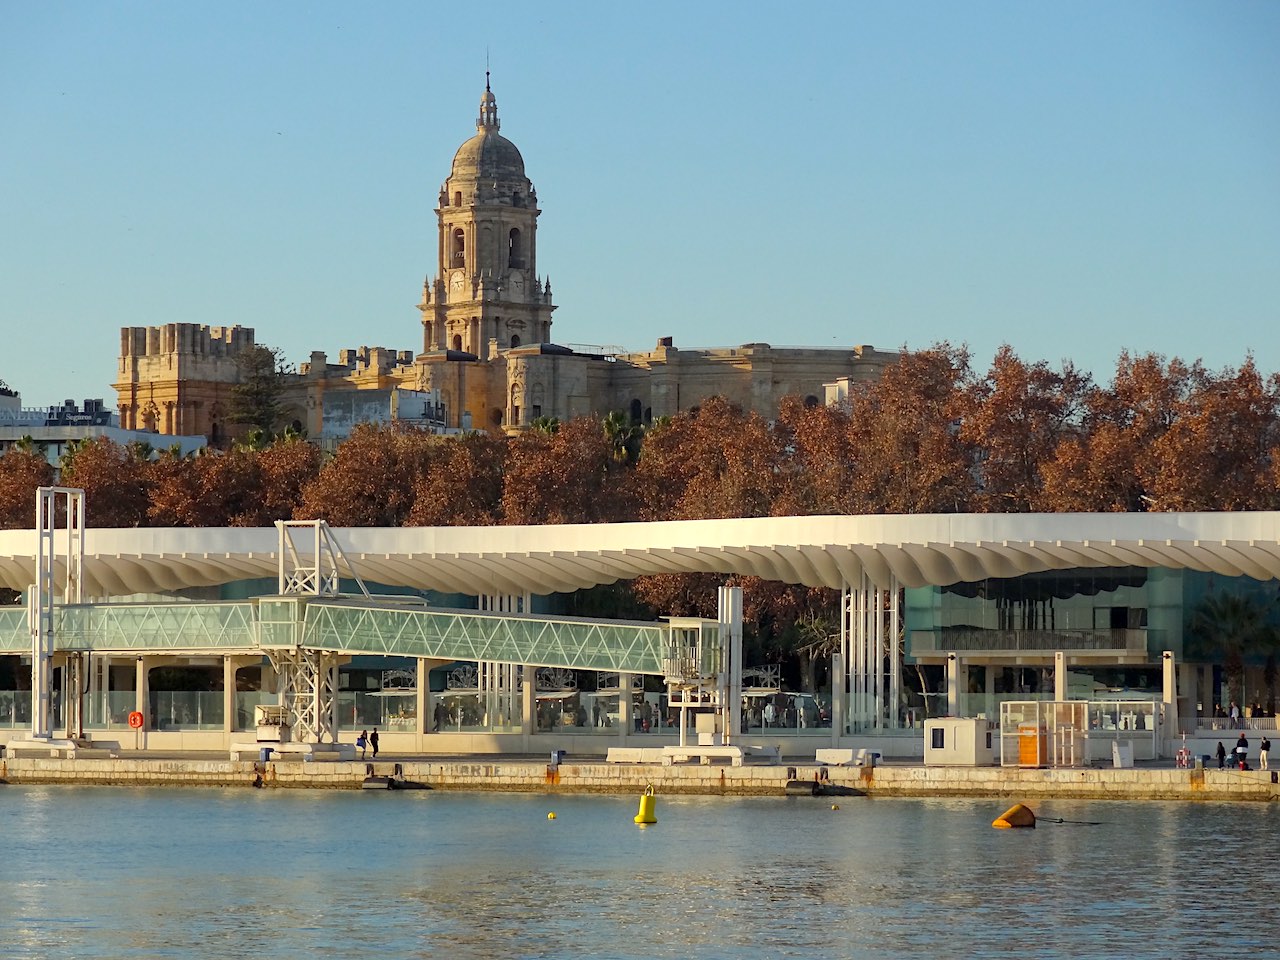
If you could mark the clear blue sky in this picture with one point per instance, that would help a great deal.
(1072, 178)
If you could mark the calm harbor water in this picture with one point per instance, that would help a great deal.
(111, 872)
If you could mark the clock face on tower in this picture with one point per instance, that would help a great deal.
(455, 285)
(517, 285)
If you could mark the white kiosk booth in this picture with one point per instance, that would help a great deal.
(958, 742)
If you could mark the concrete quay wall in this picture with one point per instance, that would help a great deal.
(1088, 783)
(1144, 783)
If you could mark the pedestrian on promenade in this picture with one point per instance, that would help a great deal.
(1235, 715)
(1263, 749)
(1242, 751)
(1222, 756)
(373, 742)
(362, 742)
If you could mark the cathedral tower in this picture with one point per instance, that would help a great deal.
(487, 294)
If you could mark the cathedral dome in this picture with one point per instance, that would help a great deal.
(488, 154)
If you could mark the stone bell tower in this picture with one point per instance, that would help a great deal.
(487, 293)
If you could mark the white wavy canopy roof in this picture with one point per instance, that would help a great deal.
(832, 551)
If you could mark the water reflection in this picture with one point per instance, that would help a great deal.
(176, 873)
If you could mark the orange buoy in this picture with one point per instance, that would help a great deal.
(1016, 816)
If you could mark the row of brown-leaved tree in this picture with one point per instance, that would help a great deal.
(931, 435)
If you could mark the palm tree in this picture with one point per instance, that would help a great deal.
(256, 439)
(624, 436)
(548, 425)
(140, 450)
(1232, 627)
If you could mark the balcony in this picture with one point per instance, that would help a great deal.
(1129, 642)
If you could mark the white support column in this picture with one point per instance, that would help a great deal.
(876, 650)
(624, 706)
(871, 650)
(40, 597)
(1059, 675)
(730, 611)
(857, 702)
(228, 696)
(840, 694)
(1169, 696)
(895, 655)
(954, 668)
(837, 701)
(421, 681)
(528, 704)
(141, 700)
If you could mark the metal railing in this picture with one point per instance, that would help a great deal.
(976, 640)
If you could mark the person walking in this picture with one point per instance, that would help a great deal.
(1235, 715)
(1263, 749)
(1242, 752)
(373, 742)
(1222, 756)
(362, 742)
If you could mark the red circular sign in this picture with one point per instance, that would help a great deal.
(135, 720)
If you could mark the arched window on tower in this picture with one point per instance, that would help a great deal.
(457, 342)
(459, 248)
(515, 253)
(515, 340)
(457, 198)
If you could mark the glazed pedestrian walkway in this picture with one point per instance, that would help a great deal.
(383, 628)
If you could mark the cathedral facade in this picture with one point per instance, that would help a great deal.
(488, 360)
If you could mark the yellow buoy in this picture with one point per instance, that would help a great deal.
(551, 815)
(835, 806)
(647, 803)
(1016, 816)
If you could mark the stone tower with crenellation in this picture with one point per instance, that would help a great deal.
(177, 378)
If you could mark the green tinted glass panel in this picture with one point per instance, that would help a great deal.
(155, 626)
(14, 636)
(464, 635)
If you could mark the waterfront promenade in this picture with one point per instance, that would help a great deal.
(1158, 780)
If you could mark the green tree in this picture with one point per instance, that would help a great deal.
(256, 399)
